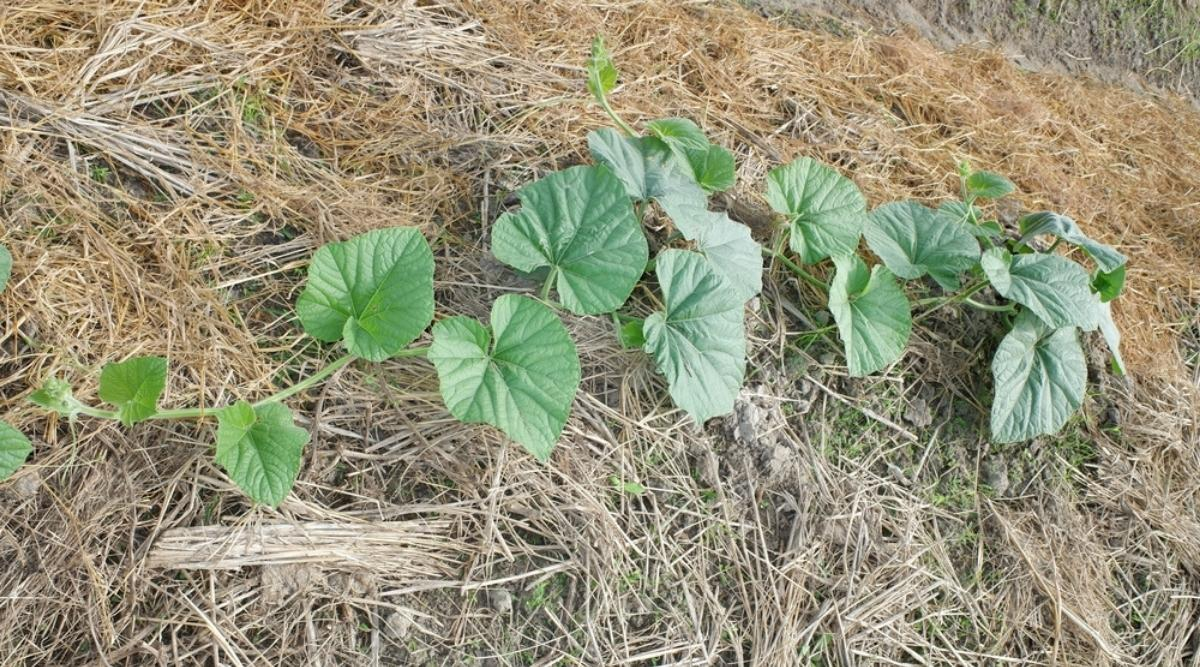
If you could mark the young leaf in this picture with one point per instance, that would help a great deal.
(14, 450)
(712, 168)
(55, 395)
(727, 245)
(631, 335)
(1112, 336)
(1040, 375)
(989, 185)
(260, 448)
(134, 386)
(1060, 226)
(5, 267)
(699, 341)
(825, 209)
(374, 291)
(602, 74)
(578, 222)
(1053, 287)
(678, 132)
(913, 240)
(520, 376)
(872, 315)
(1109, 285)
(644, 165)
(959, 213)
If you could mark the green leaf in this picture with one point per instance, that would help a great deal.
(969, 217)
(5, 267)
(699, 341)
(134, 386)
(1060, 226)
(55, 395)
(374, 291)
(602, 74)
(1040, 376)
(1053, 287)
(872, 315)
(913, 240)
(644, 165)
(1112, 335)
(679, 132)
(580, 223)
(989, 185)
(520, 376)
(712, 168)
(260, 448)
(631, 488)
(14, 450)
(825, 209)
(1109, 285)
(727, 245)
(631, 335)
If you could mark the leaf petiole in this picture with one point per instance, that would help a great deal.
(796, 269)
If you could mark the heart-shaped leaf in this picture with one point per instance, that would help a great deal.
(260, 448)
(1060, 226)
(602, 74)
(727, 245)
(374, 291)
(699, 341)
(1040, 376)
(678, 132)
(872, 315)
(989, 185)
(134, 386)
(5, 267)
(712, 168)
(14, 450)
(825, 209)
(1054, 288)
(580, 224)
(520, 376)
(645, 166)
(913, 240)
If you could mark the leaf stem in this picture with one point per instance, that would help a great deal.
(796, 269)
(321, 375)
(615, 118)
(545, 293)
(1002, 308)
(938, 302)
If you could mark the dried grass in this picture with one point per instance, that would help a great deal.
(168, 168)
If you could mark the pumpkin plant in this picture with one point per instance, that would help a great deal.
(1039, 367)
(373, 295)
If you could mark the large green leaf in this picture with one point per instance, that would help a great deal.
(699, 341)
(602, 74)
(727, 245)
(872, 315)
(260, 448)
(134, 386)
(645, 165)
(825, 209)
(913, 240)
(520, 376)
(989, 185)
(678, 132)
(580, 224)
(713, 168)
(1040, 375)
(14, 450)
(1060, 226)
(5, 267)
(1054, 288)
(374, 291)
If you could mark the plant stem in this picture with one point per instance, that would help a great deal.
(322, 374)
(940, 301)
(545, 293)
(97, 412)
(796, 269)
(1004, 308)
(616, 119)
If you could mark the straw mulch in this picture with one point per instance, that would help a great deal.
(168, 167)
